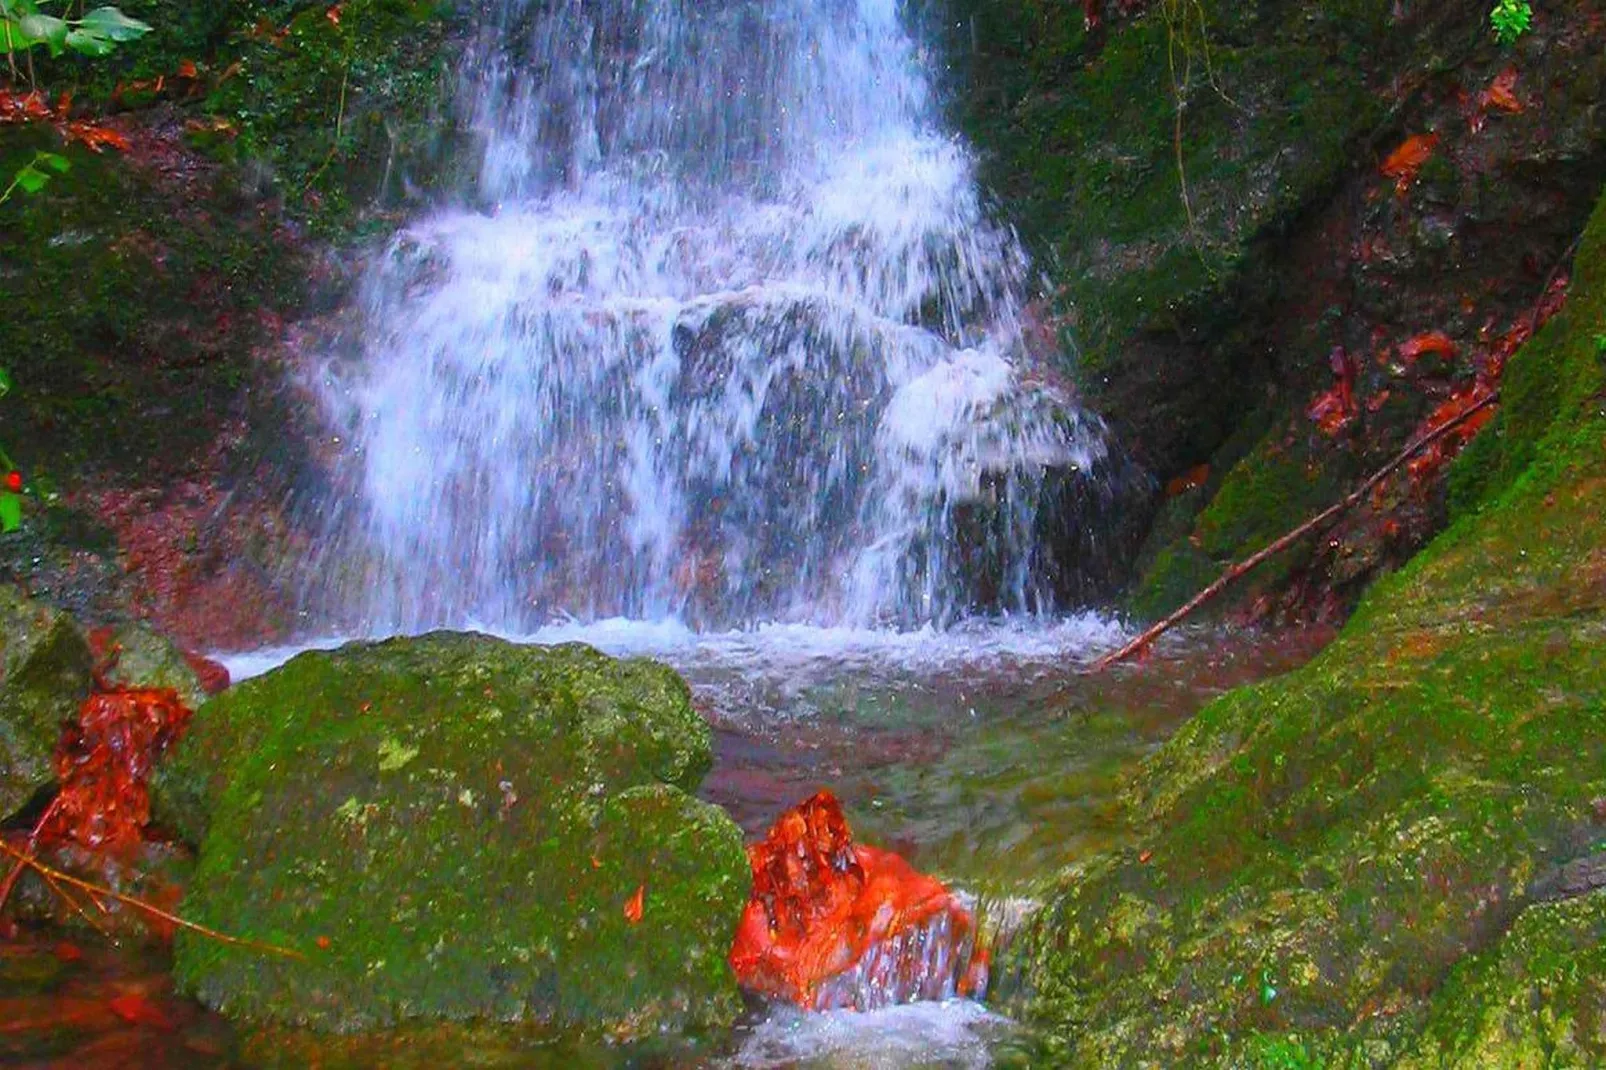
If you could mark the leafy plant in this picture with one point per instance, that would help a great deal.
(1510, 19)
(24, 26)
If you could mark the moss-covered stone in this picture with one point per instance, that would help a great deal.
(146, 658)
(454, 827)
(1334, 851)
(44, 677)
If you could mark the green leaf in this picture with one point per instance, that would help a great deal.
(109, 22)
(17, 8)
(5, 382)
(10, 511)
(88, 43)
(59, 164)
(46, 30)
(31, 179)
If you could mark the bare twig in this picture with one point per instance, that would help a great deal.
(96, 892)
(1226, 579)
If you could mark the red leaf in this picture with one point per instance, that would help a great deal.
(1502, 93)
(1194, 477)
(1405, 162)
(135, 1009)
(1423, 344)
(637, 903)
(820, 902)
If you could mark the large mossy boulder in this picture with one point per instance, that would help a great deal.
(1392, 856)
(457, 828)
(45, 675)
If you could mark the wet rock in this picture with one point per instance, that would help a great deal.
(45, 673)
(456, 828)
(140, 657)
(154, 873)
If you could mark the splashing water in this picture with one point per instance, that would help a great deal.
(721, 334)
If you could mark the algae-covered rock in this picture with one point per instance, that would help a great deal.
(458, 828)
(44, 677)
(1538, 998)
(146, 658)
(1355, 864)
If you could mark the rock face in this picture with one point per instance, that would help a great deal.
(1391, 856)
(1282, 235)
(144, 658)
(458, 828)
(44, 676)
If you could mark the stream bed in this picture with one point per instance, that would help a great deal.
(983, 754)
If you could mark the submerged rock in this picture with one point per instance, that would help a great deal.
(45, 673)
(457, 828)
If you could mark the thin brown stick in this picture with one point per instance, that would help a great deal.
(1226, 579)
(66, 897)
(96, 891)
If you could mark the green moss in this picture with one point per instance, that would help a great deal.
(44, 677)
(342, 117)
(1262, 497)
(1083, 141)
(132, 308)
(1537, 998)
(1353, 835)
(452, 828)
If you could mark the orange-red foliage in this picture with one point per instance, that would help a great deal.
(32, 107)
(1502, 92)
(1405, 162)
(1423, 344)
(1193, 478)
(104, 761)
(820, 902)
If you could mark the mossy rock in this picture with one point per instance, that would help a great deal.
(45, 675)
(146, 658)
(1354, 865)
(454, 828)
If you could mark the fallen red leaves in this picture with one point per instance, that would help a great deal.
(820, 902)
(1421, 345)
(32, 107)
(103, 764)
(1502, 93)
(1335, 408)
(1405, 162)
(636, 905)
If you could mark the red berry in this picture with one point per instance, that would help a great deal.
(14, 482)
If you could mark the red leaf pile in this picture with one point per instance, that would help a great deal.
(104, 761)
(820, 902)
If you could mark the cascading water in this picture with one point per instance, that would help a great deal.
(722, 334)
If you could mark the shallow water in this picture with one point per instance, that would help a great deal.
(983, 754)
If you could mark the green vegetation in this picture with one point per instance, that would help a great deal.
(1377, 839)
(452, 828)
(1510, 19)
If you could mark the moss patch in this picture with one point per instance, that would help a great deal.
(452, 828)
(44, 677)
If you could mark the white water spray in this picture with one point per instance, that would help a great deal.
(722, 335)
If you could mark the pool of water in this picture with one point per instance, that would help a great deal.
(986, 755)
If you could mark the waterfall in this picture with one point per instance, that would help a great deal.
(720, 332)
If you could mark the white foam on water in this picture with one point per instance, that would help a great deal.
(953, 1034)
(787, 650)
